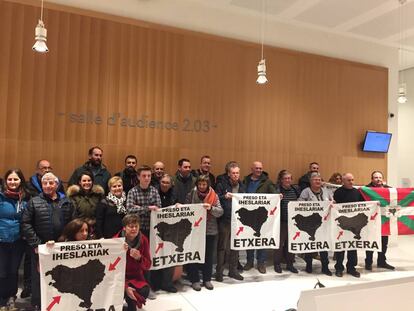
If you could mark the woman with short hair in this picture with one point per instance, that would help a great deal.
(111, 210)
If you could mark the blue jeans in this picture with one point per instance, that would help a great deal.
(10, 258)
(260, 256)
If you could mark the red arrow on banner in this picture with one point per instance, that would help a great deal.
(55, 300)
(374, 216)
(160, 245)
(197, 223)
(240, 230)
(296, 235)
(341, 233)
(272, 211)
(112, 266)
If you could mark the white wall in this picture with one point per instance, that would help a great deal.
(406, 132)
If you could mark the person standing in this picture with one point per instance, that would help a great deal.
(377, 181)
(43, 220)
(94, 164)
(316, 193)
(129, 174)
(257, 182)
(204, 194)
(111, 210)
(13, 201)
(289, 193)
(183, 181)
(347, 194)
(34, 185)
(205, 169)
(304, 181)
(225, 189)
(158, 171)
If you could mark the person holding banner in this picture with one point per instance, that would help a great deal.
(347, 194)
(76, 230)
(205, 194)
(43, 220)
(111, 210)
(378, 182)
(225, 188)
(257, 182)
(13, 201)
(289, 193)
(316, 193)
(163, 278)
(138, 262)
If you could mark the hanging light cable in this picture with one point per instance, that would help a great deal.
(261, 67)
(402, 95)
(40, 35)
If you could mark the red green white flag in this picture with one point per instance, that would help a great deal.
(397, 208)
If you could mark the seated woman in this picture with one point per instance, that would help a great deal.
(138, 261)
(76, 230)
(85, 196)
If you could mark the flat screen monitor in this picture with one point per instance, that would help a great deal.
(376, 142)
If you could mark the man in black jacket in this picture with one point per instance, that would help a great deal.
(129, 174)
(183, 181)
(225, 188)
(94, 164)
(304, 181)
(378, 182)
(347, 194)
(43, 220)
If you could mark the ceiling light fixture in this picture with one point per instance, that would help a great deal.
(40, 35)
(261, 67)
(402, 94)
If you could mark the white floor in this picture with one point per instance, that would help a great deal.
(280, 292)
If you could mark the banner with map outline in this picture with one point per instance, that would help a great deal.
(86, 275)
(178, 235)
(255, 221)
(356, 226)
(309, 226)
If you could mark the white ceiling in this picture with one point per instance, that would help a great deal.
(372, 21)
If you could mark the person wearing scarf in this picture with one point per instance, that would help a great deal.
(203, 193)
(111, 210)
(13, 200)
(137, 262)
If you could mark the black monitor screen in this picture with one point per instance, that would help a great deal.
(376, 142)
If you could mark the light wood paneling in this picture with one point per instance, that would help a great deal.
(104, 69)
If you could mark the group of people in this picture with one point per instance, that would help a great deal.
(96, 205)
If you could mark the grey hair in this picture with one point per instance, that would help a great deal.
(49, 176)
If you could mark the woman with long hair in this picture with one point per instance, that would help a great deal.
(13, 200)
(85, 197)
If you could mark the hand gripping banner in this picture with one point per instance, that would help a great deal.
(178, 235)
(255, 221)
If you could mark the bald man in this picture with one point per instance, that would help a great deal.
(158, 170)
(347, 194)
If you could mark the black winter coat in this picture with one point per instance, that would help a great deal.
(43, 219)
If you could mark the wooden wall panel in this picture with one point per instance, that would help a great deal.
(106, 77)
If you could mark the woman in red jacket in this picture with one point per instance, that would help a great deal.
(138, 261)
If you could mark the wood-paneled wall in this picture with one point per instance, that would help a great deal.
(100, 71)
